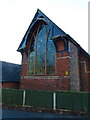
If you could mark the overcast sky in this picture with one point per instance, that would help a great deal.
(16, 15)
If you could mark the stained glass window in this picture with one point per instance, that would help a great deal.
(42, 53)
(50, 57)
(32, 56)
(41, 48)
(31, 63)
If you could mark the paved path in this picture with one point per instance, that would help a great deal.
(8, 113)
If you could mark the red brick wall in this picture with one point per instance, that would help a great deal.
(84, 72)
(70, 73)
(61, 81)
(62, 63)
(10, 85)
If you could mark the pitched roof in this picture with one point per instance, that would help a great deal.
(39, 16)
(9, 72)
(52, 26)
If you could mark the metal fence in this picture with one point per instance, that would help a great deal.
(73, 100)
(12, 96)
(39, 98)
(47, 99)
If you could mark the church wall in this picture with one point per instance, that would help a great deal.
(59, 81)
(84, 72)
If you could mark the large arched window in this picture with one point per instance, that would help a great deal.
(42, 52)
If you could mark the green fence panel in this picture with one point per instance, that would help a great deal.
(44, 99)
(12, 97)
(6, 96)
(85, 101)
(39, 98)
(0, 95)
(73, 100)
(77, 101)
(17, 98)
(64, 100)
(89, 101)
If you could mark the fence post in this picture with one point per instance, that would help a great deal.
(54, 101)
(24, 94)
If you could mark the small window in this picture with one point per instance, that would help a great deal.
(61, 45)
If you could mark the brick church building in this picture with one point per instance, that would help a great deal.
(52, 59)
